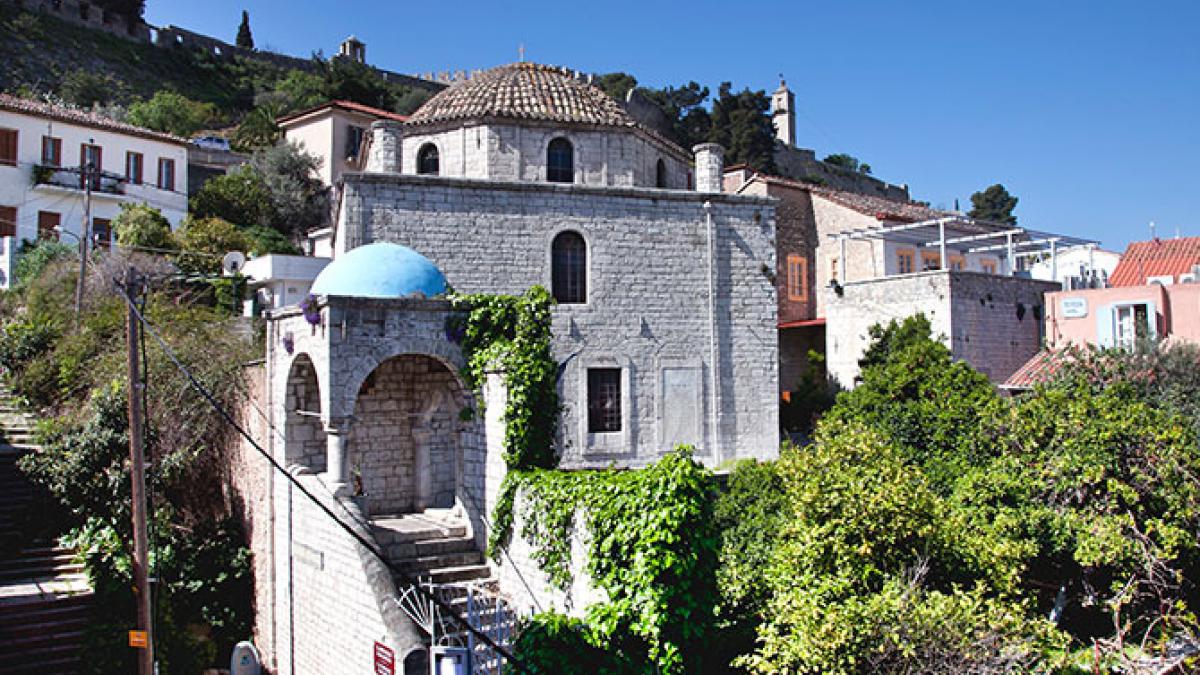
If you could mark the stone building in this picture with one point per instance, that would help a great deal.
(849, 260)
(664, 331)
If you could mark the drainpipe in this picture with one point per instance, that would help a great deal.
(942, 262)
(713, 355)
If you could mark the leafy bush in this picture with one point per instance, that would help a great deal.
(204, 241)
(171, 112)
(22, 340)
(298, 201)
(143, 226)
(240, 197)
(33, 258)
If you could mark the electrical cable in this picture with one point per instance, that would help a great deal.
(228, 418)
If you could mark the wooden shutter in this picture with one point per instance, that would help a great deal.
(8, 147)
(48, 222)
(8, 221)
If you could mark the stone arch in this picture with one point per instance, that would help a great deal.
(560, 160)
(405, 444)
(304, 432)
(428, 159)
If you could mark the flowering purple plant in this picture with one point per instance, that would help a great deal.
(456, 330)
(289, 343)
(312, 310)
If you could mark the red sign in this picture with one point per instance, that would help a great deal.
(385, 660)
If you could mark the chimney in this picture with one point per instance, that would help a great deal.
(710, 167)
(385, 147)
(783, 114)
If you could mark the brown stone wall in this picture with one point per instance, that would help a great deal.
(796, 234)
(250, 479)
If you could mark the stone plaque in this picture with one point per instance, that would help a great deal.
(307, 555)
(681, 404)
(1074, 308)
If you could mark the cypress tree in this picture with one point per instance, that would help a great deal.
(244, 39)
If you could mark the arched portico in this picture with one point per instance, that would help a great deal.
(304, 431)
(404, 446)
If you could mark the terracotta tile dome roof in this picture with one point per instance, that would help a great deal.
(523, 91)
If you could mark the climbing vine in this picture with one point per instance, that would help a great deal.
(512, 334)
(652, 549)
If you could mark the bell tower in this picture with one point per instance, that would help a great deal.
(783, 114)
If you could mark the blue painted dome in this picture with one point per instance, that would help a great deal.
(380, 270)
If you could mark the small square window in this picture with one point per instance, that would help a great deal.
(904, 261)
(604, 400)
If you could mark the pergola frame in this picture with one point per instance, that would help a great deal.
(1015, 241)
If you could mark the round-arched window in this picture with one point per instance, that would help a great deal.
(568, 268)
(560, 161)
(660, 174)
(427, 160)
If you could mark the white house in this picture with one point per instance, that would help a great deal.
(335, 132)
(43, 148)
(280, 280)
(1077, 267)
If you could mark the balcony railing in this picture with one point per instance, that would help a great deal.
(72, 178)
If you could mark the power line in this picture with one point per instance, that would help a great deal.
(362, 541)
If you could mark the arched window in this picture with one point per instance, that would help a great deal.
(427, 160)
(568, 268)
(660, 174)
(560, 161)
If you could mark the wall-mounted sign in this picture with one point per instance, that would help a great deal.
(1074, 308)
(385, 660)
(138, 639)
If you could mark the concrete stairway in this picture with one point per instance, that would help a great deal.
(432, 546)
(45, 599)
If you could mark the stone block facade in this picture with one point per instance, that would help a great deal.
(992, 322)
(647, 310)
(509, 152)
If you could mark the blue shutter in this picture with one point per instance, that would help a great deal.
(1104, 327)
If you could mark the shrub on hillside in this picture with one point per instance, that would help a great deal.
(143, 226)
(173, 113)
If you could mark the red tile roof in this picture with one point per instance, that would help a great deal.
(879, 208)
(1037, 370)
(346, 105)
(1155, 258)
(84, 118)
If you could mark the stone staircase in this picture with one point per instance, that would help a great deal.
(45, 600)
(434, 548)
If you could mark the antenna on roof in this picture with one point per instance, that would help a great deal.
(521, 52)
(1176, 231)
(1152, 234)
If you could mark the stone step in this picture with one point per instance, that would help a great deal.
(425, 564)
(65, 664)
(45, 625)
(428, 547)
(42, 606)
(450, 575)
(41, 570)
(411, 529)
(36, 655)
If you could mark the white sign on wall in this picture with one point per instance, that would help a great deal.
(1074, 308)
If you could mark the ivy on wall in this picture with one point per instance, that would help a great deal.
(652, 549)
(511, 333)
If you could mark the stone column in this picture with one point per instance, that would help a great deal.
(337, 468)
(710, 167)
(384, 156)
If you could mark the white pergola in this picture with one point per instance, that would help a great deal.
(1010, 243)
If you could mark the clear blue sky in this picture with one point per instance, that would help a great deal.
(1087, 111)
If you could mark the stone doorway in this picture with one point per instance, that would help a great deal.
(404, 446)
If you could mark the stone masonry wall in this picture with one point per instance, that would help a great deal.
(304, 432)
(512, 152)
(404, 439)
(250, 477)
(997, 322)
(647, 309)
(529, 588)
(992, 322)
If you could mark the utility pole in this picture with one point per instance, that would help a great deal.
(84, 235)
(141, 572)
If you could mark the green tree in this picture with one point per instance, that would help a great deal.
(240, 196)
(84, 88)
(245, 39)
(684, 105)
(917, 396)
(143, 226)
(259, 128)
(994, 204)
(300, 90)
(616, 85)
(173, 113)
(298, 201)
(204, 241)
(741, 122)
(848, 162)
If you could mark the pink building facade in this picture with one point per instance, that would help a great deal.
(1120, 316)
